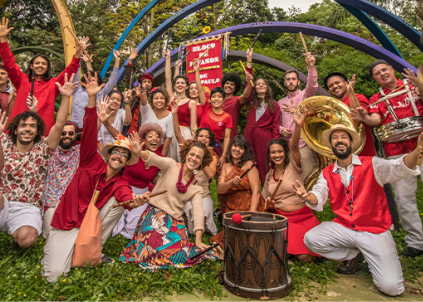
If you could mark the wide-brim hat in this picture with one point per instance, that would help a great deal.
(356, 139)
(123, 142)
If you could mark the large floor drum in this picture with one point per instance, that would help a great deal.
(255, 256)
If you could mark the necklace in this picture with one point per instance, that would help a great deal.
(274, 174)
(179, 185)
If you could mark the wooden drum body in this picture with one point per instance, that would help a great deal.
(255, 256)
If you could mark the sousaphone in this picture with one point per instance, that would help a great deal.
(324, 112)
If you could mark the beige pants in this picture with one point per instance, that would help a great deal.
(59, 247)
(309, 160)
(48, 217)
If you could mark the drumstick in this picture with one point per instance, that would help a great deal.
(205, 251)
(396, 89)
(115, 49)
(274, 193)
(184, 56)
(248, 170)
(245, 71)
(420, 158)
(204, 53)
(77, 40)
(255, 39)
(237, 218)
(129, 201)
(304, 43)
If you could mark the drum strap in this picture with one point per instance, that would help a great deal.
(411, 97)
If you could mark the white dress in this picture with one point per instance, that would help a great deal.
(148, 116)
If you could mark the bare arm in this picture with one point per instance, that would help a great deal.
(3, 123)
(166, 146)
(254, 179)
(168, 75)
(100, 146)
(176, 128)
(128, 114)
(210, 170)
(177, 67)
(222, 185)
(295, 141)
(360, 114)
(193, 115)
(410, 160)
(201, 94)
(225, 145)
(243, 99)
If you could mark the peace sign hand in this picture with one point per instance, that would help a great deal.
(300, 191)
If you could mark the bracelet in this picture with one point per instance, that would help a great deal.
(127, 103)
(250, 62)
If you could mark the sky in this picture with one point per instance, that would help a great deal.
(302, 4)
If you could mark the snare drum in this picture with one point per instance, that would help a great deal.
(255, 256)
(400, 130)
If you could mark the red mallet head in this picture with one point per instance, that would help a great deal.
(236, 218)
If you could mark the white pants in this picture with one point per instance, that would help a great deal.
(405, 198)
(18, 214)
(48, 217)
(128, 222)
(309, 160)
(59, 247)
(334, 241)
(174, 148)
(210, 226)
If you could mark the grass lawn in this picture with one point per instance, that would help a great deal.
(22, 280)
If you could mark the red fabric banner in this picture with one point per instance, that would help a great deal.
(210, 63)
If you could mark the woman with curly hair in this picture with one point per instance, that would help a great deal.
(204, 177)
(262, 123)
(285, 162)
(139, 176)
(239, 194)
(187, 112)
(154, 110)
(161, 239)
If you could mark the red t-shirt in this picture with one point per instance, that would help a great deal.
(216, 124)
(403, 109)
(138, 176)
(369, 147)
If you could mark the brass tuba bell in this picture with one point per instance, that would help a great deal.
(324, 112)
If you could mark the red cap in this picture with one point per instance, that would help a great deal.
(147, 76)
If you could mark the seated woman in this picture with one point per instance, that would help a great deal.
(161, 239)
(285, 162)
(119, 117)
(240, 194)
(205, 136)
(139, 176)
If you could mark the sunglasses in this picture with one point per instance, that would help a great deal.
(71, 133)
(123, 154)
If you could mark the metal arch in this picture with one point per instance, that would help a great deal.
(365, 46)
(374, 29)
(126, 33)
(382, 14)
(158, 69)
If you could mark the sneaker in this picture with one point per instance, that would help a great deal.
(350, 266)
(106, 259)
(411, 252)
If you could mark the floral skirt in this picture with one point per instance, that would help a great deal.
(160, 242)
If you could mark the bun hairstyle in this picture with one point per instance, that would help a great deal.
(188, 145)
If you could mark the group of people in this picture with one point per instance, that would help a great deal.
(172, 140)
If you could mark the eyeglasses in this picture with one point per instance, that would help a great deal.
(71, 133)
(121, 154)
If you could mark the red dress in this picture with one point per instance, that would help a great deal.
(259, 133)
(184, 114)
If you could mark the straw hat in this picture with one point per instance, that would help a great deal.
(356, 139)
(123, 142)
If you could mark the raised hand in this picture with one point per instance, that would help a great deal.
(91, 86)
(3, 120)
(410, 76)
(32, 103)
(250, 55)
(81, 46)
(174, 106)
(351, 85)
(134, 139)
(68, 87)
(289, 108)
(167, 53)
(300, 116)
(4, 31)
(102, 114)
(133, 56)
(300, 191)
(178, 64)
(127, 96)
(248, 77)
(140, 200)
(86, 59)
(358, 114)
(310, 59)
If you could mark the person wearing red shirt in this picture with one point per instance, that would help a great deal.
(93, 174)
(7, 92)
(45, 89)
(231, 83)
(354, 185)
(262, 123)
(405, 189)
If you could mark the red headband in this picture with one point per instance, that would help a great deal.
(69, 123)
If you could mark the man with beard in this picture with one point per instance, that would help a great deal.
(405, 189)
(354, 185)
(27, 154)
(290, 103)
(62, 168)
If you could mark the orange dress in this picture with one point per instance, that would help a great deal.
(237, 198)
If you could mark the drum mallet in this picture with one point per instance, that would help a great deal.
(248, 170)
(129, 201)
(245, 71)
(304, 43)
(205, 251)
(237, 218)
(274, 194)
